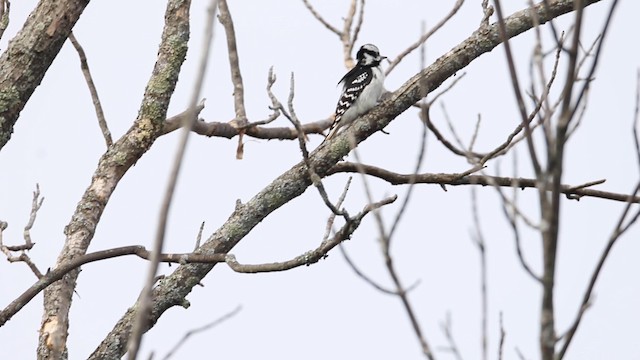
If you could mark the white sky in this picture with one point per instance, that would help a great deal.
(323, 310)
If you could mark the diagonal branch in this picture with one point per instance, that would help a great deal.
(30, 53)
(321, 19)
(112, 166)
(425, 36)
(5, 8)
(84, 66)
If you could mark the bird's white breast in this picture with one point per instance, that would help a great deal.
(368, 99)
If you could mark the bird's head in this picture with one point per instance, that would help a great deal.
(369, 55)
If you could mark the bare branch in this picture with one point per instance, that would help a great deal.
(84, 66)
(385, 248)
(204, 328)
(347, 44)
(478, 240)
(503, 335)
(271, 79)
(144, 302)
(7, 250)
(356, 30)
(321, 19)
(199, 236)
(487, 11)
(226, 130)
(454, 180)
(236, 76)
(332, 216)
(367, 279)
(516, 89)
(60, 271)
(315, 179)
(313, 256)
(424, 114)
(620, 228)
(424, 37)
(446, 328)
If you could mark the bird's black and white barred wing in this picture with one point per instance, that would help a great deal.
(354, 83)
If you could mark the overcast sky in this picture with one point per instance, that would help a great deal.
(324, 310)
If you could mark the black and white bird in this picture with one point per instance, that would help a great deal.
(362, 87)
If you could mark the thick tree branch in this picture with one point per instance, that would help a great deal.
(5, 8)
(111, 168)
(29, 55)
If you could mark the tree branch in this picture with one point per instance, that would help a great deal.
(84, 66)
(144, 301)
(30, 53)
(424, 37)
(111, 168)
(572, 192)
(292, 183)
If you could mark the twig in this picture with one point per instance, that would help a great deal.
(199, 237)
(7, 250)
(345, 34)
(308, 258)
(487, 11)
(620, 228)
(446, 328)
(356, 30)
(424, 114)
(516, 89)
(419, 160)
(240, 120)
(424, 37)
(367, 279)
(511, 218)
(271, 79)
(236, 75)
(321, 19)
(332, 216)
(478, 240)
(144, 302)
(84, 66)
(399, 288)
(313, 256)
(315, 179)
(204, 328)
(503, 335)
